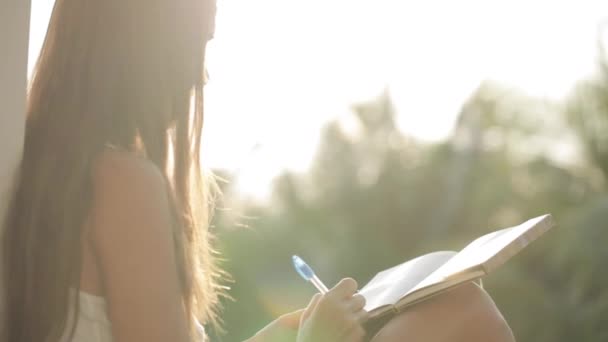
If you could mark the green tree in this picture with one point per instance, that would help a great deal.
(375, 197)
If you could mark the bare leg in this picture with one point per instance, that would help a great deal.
(466, 313)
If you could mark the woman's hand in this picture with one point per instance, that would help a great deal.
(334, 316)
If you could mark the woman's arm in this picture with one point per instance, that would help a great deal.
(132, 238)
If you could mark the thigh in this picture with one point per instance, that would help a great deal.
(466, 313)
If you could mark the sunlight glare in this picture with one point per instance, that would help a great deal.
(280, 70)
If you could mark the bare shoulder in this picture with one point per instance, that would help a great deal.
(114, 167)
(129, 197)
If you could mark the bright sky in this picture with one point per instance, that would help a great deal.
(281, 69)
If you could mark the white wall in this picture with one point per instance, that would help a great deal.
(14, 29)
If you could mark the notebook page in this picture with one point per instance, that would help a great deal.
(388, 286)
(483, 249)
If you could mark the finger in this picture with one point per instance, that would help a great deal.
(344, 289)
(357, 334)
(350, 322)
(311, 307)
(361, 316)
(356, 303)
(291, 320)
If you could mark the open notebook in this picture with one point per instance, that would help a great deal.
(396, 288)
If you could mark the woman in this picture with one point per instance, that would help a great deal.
(106, 237)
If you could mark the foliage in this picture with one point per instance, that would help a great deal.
(375, 197)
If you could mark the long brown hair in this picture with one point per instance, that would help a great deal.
(110, 72)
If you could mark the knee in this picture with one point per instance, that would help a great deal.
(466, 313)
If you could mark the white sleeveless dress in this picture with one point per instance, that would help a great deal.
(93, 324)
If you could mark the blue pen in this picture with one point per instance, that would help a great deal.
(308, 274)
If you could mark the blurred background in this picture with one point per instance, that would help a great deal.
(359, 134)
